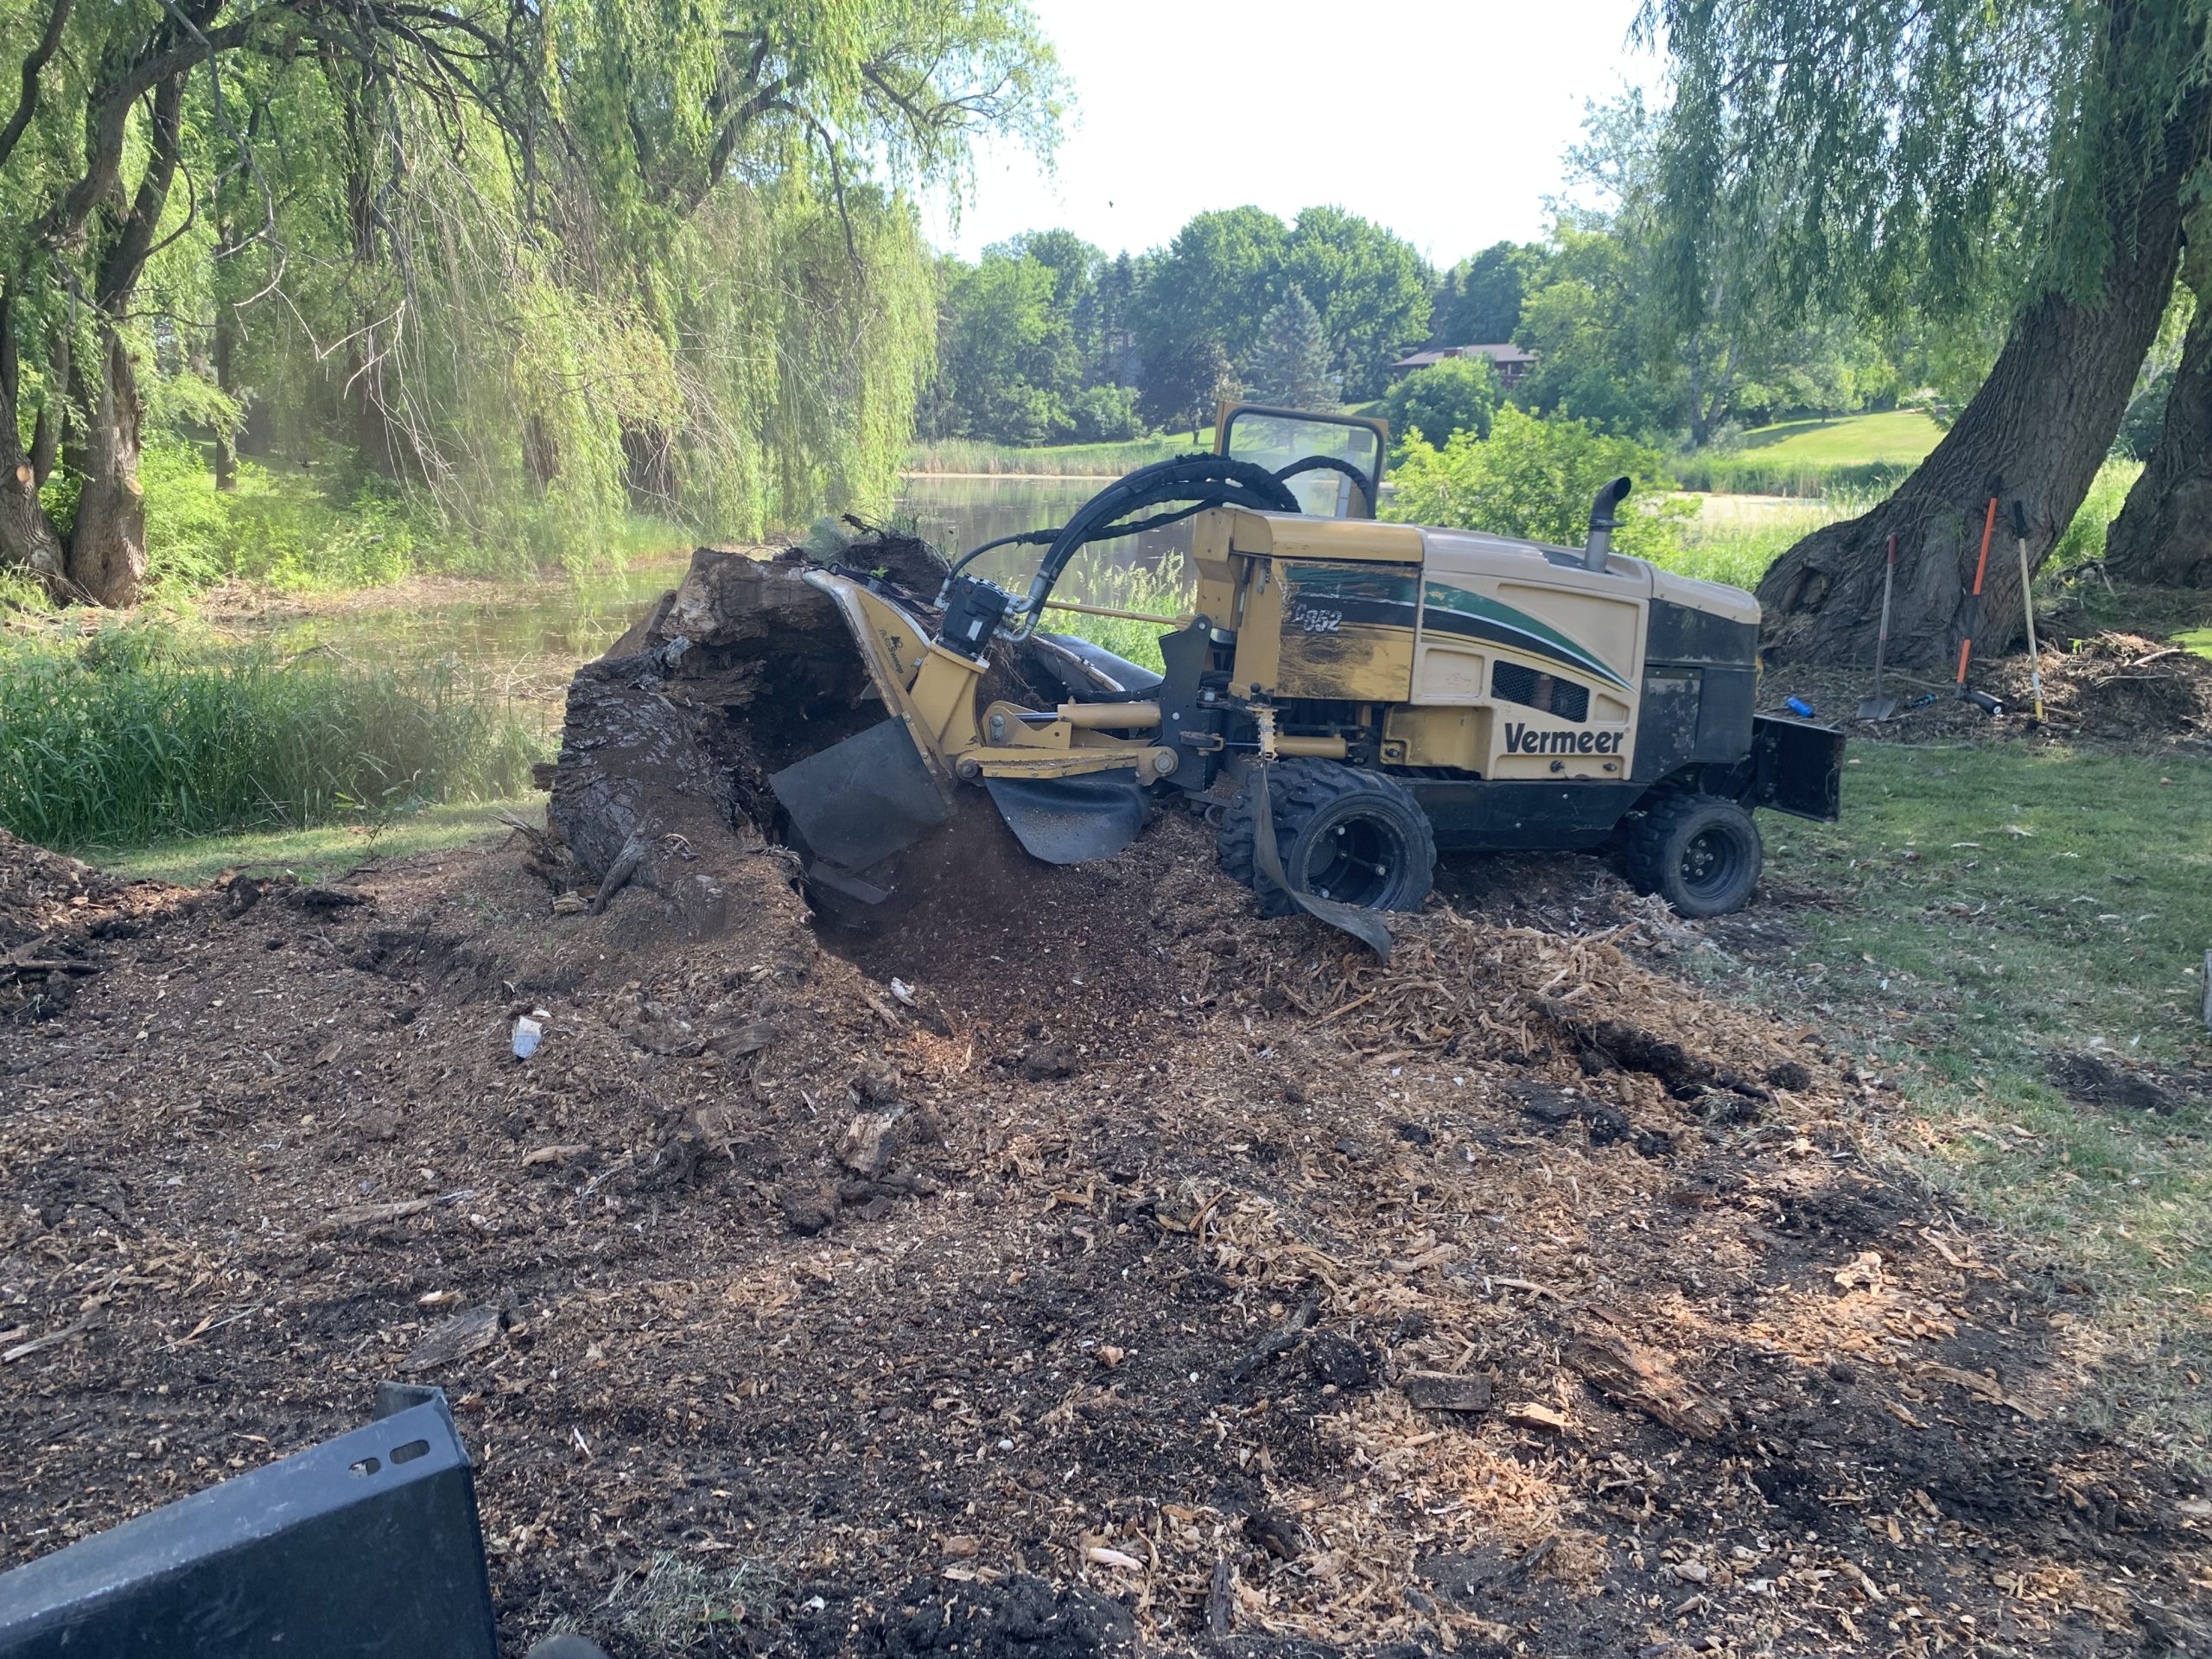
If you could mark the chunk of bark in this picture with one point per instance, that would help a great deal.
(1642, 1380)
(1280, 1340)
(1445, 1391)
(459, 1337)
(365, 1215)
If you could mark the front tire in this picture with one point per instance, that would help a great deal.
(1359, 837)
(1698, 852)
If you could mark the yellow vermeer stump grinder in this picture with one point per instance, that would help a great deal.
(1388, 691)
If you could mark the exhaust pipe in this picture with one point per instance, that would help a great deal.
(1594, 551)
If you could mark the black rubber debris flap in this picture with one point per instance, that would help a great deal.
(862, 800)
(1072, 820)
(1365, 925)
(366, 1544)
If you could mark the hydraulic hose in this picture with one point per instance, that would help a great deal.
(1203, 481)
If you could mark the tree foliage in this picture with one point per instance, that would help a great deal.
(1216, 279)
(534, 262)
(1290, 361)
(1369, 287)
(1459, 394)
(1917, 156)
(1186, 388)
(1536, 478)
(1478, 302)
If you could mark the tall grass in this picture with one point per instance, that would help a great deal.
(145, 731)
(1757, 474)
(294, 531)
(1091, 578)
(1051, 461)
(1736, 542)
(2085, 537)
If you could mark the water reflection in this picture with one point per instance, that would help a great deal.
(526, 637)
(958, 513)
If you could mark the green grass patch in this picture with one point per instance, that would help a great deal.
(1864, 454)
(1989, 906)
(1091, 578)
(2196, 640)
(297, 532)
(1898, 436)
(323, 851)
(151, 730)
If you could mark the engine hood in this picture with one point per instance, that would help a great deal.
(1715, 598)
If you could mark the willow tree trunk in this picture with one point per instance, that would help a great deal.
(107, 545)
(27, 540)
(2163, 534)
(2042, 424)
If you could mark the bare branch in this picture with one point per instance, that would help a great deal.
(33, 65)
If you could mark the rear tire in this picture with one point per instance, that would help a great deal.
(1359, 837)
(1698, 852)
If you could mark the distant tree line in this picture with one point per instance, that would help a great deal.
(1048, 340)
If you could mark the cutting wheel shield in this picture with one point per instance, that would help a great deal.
(1072, 820)
(858, 801)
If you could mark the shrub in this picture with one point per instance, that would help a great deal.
(2085, 537)
(1106, 415)
(1535, 479)
(144, 731)
(1460, 394)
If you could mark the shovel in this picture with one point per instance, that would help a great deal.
(1880, 706)
(1981, 700)
(2028, 599)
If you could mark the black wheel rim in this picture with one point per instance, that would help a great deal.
(1712, 862)
(1356, 861)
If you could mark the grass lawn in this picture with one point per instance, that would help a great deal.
(319, 854)
(1986, 906)
(1897, 435)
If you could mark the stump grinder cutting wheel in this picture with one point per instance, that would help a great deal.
(1354, 696)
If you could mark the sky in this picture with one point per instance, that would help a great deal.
(1443, 120)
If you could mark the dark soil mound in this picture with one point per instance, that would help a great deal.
(52, 912)
(1191, 1277)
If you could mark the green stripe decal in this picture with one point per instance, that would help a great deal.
(1543, 638)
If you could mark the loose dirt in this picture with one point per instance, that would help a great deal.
(2114, 690)
(1157, 1278)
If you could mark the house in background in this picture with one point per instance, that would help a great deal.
(1512, 363)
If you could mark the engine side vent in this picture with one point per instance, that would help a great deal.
(1547, 693)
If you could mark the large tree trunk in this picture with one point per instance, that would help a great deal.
(2042, 424)
(2164, 532)
(107, 545)
(28, 539)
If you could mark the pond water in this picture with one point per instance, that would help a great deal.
(527, 637)
(958, 513)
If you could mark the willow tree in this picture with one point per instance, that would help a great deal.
(514, 254)
(1936, 159)
(88, 162)
(2163, 534)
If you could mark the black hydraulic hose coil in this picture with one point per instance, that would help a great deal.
(1210, 480)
